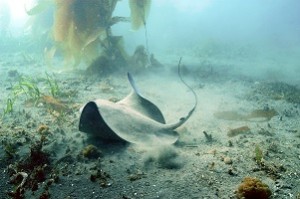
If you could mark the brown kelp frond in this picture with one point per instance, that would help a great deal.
(79, 25)
(139, 12)
(81, 30)
(62, 19)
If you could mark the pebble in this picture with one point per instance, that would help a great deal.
(227, 160)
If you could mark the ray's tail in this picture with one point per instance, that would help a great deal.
(189, 87)
(184, 119)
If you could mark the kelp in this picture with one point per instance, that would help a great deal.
(79, 26)
(114, 57)
(139, 12)
(81, 30)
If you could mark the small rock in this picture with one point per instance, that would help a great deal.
(227, 160)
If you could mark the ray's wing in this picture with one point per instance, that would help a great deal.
(140, 104)
(92, 122)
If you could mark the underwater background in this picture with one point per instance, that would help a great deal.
(266, 33)
(226, 71)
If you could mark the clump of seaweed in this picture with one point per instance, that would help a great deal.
(54, 88)
(26, 86)
(253, 188)
(9, 106)
(30, 171)
(29, 87)
(91, 152)
(258, 155)
(9, 149)
(271, 169)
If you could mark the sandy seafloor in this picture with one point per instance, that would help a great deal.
(194, 167)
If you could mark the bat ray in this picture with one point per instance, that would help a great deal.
(133, 119)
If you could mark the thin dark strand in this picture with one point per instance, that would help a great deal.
(146, 38)
(188, 86)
